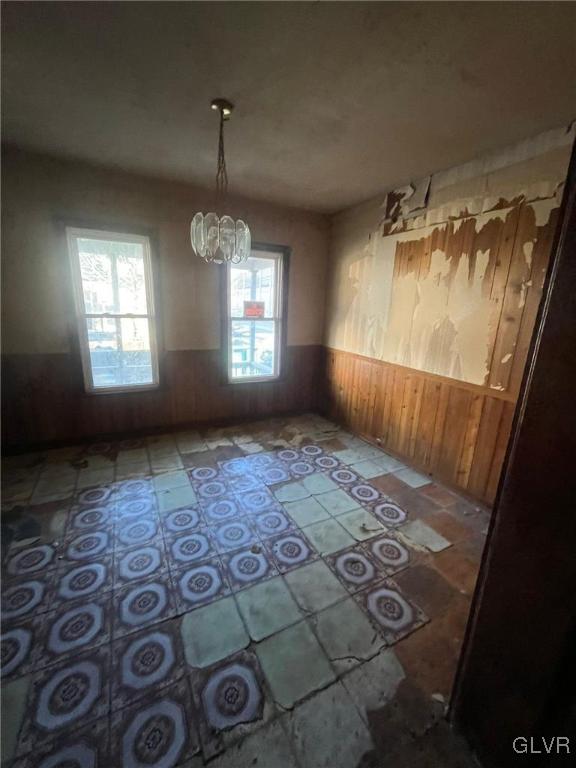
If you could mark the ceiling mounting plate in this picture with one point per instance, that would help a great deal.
(224, 106)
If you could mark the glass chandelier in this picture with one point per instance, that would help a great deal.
(220, 239)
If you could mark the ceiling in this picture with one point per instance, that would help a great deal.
(335, 102)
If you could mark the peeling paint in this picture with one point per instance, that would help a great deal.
(527, 249)
(506, 358)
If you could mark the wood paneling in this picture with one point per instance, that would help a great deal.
(454, 431)
(44, 399)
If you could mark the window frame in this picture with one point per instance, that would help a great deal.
(282, 254)
(73, 233)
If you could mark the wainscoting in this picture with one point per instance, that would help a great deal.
(44, 399)
(453, 431)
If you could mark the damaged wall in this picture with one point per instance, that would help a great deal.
(445, 276)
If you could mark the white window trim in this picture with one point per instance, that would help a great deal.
(72, 235)
(259, 253)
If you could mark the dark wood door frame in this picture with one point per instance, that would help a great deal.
(516, 670)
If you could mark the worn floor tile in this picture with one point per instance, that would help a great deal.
(14, 697)
(291, 492)
(368, 468)
(422, 535)
(319, 483)
(328, 732)
(160, 730)
(213, 632)
(169, 480)
(267, 608)
(174, 498)
(337, 502)
(269, 747)
(361, 524)
(306, 511)
(232, 701)
(328, 536)
(314, 586)
(346, 635)
(373, 684)
(412, 478)
(426, 587)
(390, 610)
(294, 664)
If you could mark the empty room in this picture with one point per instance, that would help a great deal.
(288, 373)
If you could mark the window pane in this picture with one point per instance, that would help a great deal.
(119, 352)
(252, 348)
(113, 277)
(254, 280)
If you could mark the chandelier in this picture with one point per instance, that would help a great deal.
(220, 239)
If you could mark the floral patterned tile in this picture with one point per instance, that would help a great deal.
(184, 520)
(271, 523)
(66, 696)
(27, 596)
(326, 463)
(87, 546)
(28, 561)
(273, 474)
(290, 550)
(247, 482)
(204, 474)
(160, 730)
(19, 646)
(145, 662)
(258, 500)
(90, 745)
(248, 566)
(366, 494)
(221, 510)
(82, 519)
(188, 548)
(82, 581)
(235, 467)
(234, 534)
(140, 562)
(389, 553)
(143, 530)
(344, 477)
(74, 628)
(289, 455)
(133, 488)
(389, 513)
(142, 604)
(212, 489)
(302, 468)
(354, 568)
(200, 584)
(96, 496)
(135, 507)
(390, 611)
(231, 699)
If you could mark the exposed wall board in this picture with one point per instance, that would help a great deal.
(451, 291)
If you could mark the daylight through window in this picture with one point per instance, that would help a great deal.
(254, 317)
(112, 279)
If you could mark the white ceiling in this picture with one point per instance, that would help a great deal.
(335, 101)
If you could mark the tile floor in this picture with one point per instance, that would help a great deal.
(281, 591)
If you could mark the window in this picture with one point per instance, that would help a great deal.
(112, 278)
(255, 316)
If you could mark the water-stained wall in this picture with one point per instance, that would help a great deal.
(444, 277)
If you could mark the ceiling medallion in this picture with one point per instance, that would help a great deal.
(220, 239)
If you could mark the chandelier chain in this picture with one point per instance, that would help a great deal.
(221, 173)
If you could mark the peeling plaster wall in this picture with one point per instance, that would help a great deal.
(441, 275)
